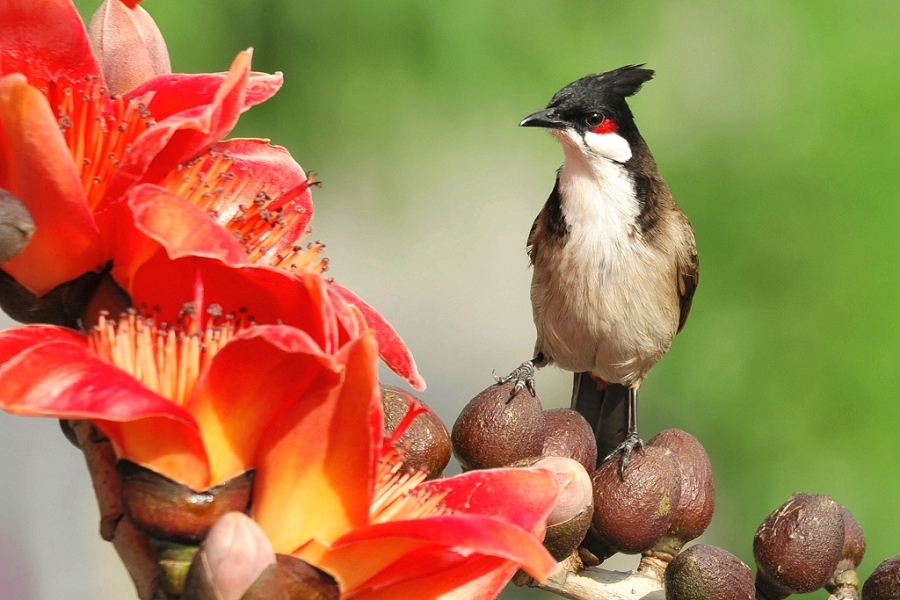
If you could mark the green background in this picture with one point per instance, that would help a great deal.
(776, 125)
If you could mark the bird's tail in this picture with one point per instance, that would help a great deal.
(605, 407)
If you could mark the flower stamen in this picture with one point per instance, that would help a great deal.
(398, 496)
(167, 359)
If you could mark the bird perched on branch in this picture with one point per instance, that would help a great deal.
(615, 261)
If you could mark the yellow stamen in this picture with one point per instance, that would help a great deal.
(166, 359)
(397, 496)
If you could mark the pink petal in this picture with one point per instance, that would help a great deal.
(390, 347)
(36, 167)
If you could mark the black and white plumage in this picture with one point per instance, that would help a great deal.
(615, 261)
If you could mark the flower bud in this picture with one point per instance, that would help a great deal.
(168, 510)
(426, 440)
(632, 511)
(16, 226)
(128, 45)
(704, 572)
(495, 429)
(231, 559)
(845, 579)
(884, 582)
(569, 435)
(798, 546)
(698, 496)
(570, 518)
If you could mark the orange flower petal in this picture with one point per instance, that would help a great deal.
(59, 376)
(257, 375)
(316, 464)
(36, 167)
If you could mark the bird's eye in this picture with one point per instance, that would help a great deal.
(594, 119)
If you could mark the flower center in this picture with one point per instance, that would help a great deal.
(268, 220)
(398, 496)
(167, 359)
(98, 128)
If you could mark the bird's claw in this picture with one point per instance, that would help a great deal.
(631, 442)
(523, 375)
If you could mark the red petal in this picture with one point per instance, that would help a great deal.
(385, 553)
(37, 168)
(257, 375)
(316, 464)
(18, 339)
(183, 135)
(65, 379)
(166, 95)
(522, 497)
(45, 40)
(390, 347)
(473, 578)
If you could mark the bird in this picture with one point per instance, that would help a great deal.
(614, 258)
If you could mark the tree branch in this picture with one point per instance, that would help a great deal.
(594, 583)
(132, 546)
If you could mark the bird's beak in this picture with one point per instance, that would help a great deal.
(543, 118)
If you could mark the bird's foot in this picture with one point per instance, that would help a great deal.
(523, 376)
(631, 442)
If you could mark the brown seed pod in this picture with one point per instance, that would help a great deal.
(427, 440)
(698, 495)
(704, 572)
(845, 576)
(495, 429)
(633, 511)
(884, 582)
(167, 510)
(570, 436)
(798, 546)
(570, 518)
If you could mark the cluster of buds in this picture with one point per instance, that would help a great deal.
(662, 500)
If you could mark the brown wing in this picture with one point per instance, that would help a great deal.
(688, 278)
(549, 226)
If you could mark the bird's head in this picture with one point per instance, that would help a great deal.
(590, 116)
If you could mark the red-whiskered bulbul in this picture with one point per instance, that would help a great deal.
(615, 261)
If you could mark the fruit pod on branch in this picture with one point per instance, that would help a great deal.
(704, 572)
(696, 505)
(844, 582)
(426, 441)
(497, 429)
(569, 435)
(797, 547)
(884, 582)
(633, 511)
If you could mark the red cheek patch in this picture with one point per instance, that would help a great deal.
(606, 126)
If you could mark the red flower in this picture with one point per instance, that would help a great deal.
(84, 162)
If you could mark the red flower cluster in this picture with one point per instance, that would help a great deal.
(238, 354)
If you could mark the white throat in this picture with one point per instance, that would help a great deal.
(598, 196)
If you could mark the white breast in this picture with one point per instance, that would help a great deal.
(594, 306)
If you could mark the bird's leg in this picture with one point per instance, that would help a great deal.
(523, 375)
(632, 439)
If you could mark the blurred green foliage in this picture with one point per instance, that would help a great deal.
(776, 124)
